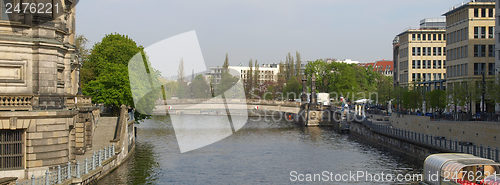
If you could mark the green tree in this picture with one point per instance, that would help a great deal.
(105, 73)
(412, 99)
(81, 47)
(298, 65)
(385, 89)
(291, 66)
(113, 49)
(112, 87)
(200, 88)
(292, 88)
(249, 79)
(225, 66)
(493, 89)
(256, 78)
(437, 100)
(458, 95)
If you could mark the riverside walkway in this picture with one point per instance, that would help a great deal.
(103, 134)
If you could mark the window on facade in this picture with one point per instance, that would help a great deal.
(479, 68)
(434, 51)
(476, 32)
(418, 51)
(476, 12)
(483, 12)
(413, 51)
(434, 64)
(434, 37)
(491, 32)
(418, 36)
(483, 51)
(439, 36)
(429, 51)
(491, 69)
(439, 51)
(490, 12)
(482, 33)
(413, 77)
(413, 36)
(491, 50)
(413, 65)
(418, 64)
(478, 49)
(424, 51)
(11, 149)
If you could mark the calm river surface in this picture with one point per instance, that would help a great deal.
(263, 152)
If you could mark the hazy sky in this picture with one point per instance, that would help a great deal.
(266, 30)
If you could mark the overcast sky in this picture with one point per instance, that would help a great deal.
(266, 30)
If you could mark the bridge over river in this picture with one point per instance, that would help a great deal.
(250, 107)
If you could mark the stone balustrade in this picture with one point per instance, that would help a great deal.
(14, 103)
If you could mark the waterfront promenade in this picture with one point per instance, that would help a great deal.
(103, 136)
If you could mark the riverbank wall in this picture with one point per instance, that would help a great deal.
(395, 135)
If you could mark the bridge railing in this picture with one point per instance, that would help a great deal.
(230, 101)
(436, 142)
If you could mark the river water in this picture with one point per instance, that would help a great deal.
(263, 152)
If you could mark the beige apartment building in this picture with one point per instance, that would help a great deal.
(471, 46)
(421, 55)
(267, 73)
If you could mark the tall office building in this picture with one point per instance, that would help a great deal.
(421, 55)
(470, 46)
(497, 58)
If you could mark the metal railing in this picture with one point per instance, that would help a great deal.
(61, 173)
(436, 142)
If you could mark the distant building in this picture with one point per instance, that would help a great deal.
(267, 73)
(345, 61)
(471, 45)
(497, 47)
(383, 67)
(421, 55)
(395, 58)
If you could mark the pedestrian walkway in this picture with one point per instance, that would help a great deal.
(103, 134)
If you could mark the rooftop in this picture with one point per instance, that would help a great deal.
(469, 3)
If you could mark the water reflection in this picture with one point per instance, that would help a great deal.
(260, 153)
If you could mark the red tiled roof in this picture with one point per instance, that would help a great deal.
(383, 65)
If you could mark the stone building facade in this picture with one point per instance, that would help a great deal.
(471, 47)
(43, 120)
(421, 56)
